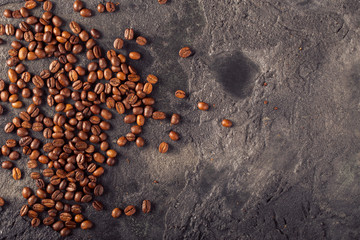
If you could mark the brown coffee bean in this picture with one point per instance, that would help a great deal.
(87, 224)
(98, 206)
(116, 212)
(58, 226)
(101, 8)
(9, 30)
(163, 147)
(134, 55)
(175, 119)
(78, 5)
(16, 173)
(129, 34)
(146, 206)
(75, 28)
(174, 136)
(159, 115)
(30, 4)
(7, 13)
(6, 165)
(35, 222)
(26, 192)
(152, 79)
(85, 12)
(136, 129)
(98, 190)
(2, 202)
(130, 210)
(180, 94)
(48, 221)
(162, 1)
(141, 41)
(65, 232)
(95, 33)
(121, 141)
(9, 127)
(203, 106)
(185, 52)
(47, 6)
(118, 43)
(140, 142)
(226, 123)
(110, 7)
(24, 210)
(38, 207)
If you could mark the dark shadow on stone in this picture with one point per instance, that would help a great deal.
(236, 73)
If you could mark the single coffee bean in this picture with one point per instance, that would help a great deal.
(141, 41)
(95, 33)
(35, 222)
(185, 52)
(7, 13)
(6, 165)
(16, 173)
(158, 115)
(98, 206)
(162, 1)
(118, 43)
(180, 94)
(130, 210)
(79, 218)
(203, 106)
(140, 142)
(24, 210)
(146, 206)
(2, 202)
(116, 212)
(48, 221)
(110, 7)
(65, 232)
(134, 55)
(121, 141)
(26, 192)
(58, 226)
(9, 127)
(226, 123)
(30, 4)
(87, 224)
(98, 190)
(75, 28)
(47, 6)
(101, 8)
(163, 147)
(85, 12)
(175, 119)
(129, 34)
(78, 5)
(174, 136)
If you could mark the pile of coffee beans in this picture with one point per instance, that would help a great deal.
(74, 144)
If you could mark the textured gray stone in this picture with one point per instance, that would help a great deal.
(290, 173)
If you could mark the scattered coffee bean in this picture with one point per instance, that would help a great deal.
(146, 206)
(110, 7)
(174, 136)
(86, 225)
(130, 210)
(2, 202)
(16, 173)
(185, 52)
(162, 1)
(163, 147)
(101, 8)
(85, 12)
(180, 94)
(226, 123)
(78, 6)
(203, 106)
(116, 212)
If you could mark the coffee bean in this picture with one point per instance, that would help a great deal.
(163, 147)
(75, 28)
(35, 222)
(7, 13)
(146, 206)
(141, 41)
(152, 79)
(24, 210)
(180, 94)
(70, 224)
(226, 123)
(118, 43)
(79, 218)
(98, 190)
(2, 202)
(203, 106)
(174, 136)
(140, 142)
(185, 52)
(85, 12)
(162, 1)
(6, 165)
(26, 192)
(16, 173)
(58, 226)
(65, 232)
(86, 225)
(130, 210)
(48, 221)
(110, 7)
(175, 119)
(30, 4)
(98, 206)
(129, 34)
(121, 141)
(78, 5)
(101, 8)
(38, 207)
(134, 55)
(95, 33)
(158, 115)
(47, 6)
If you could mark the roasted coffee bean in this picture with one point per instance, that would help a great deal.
(9, 127)
(98, 190)
(175, 119)
(146, 206)
(116, 212)
(121, 141)
(158, 115)
(49, 203)
(203, 106)
(38, 207)
(118, 43)
(130, 137)
(47, 6)
(110, 7)
(134, 55)
(16, 173)
(48, 221)
(140, 142)
(32, 200)
(2, 202)
(185, 52)
(163, 147)
(141, 41)
(9, 29)
(85, 12)
(98, 206)
(131, 118)
(162, 1)
(7, 13)
(130, 210)
(180, 94)
(86, 225)
(24, 210)
(35, 222)
(6, 165)
(174, 136)
(78, 5)
(58, 226)
(226, 123)
(101, 8)
(129, 34)
(65, 232)
(95, 33)
(26, 192)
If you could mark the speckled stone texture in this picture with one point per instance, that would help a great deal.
(291, 173)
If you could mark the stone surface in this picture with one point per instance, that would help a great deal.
(291, 173)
